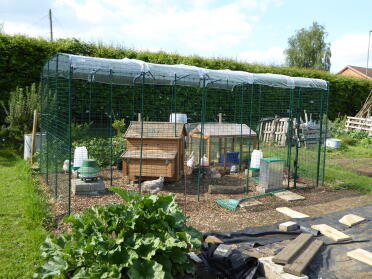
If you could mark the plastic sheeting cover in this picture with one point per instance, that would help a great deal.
(128, 71)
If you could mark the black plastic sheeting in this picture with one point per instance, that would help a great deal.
(330, 263)
(235, 266)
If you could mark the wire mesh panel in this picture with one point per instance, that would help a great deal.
(148, 126)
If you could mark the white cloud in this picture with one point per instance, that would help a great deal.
(203, 27)
(11, 27)
(270, 56)
(349, 49)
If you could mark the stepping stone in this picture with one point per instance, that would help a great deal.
(289, 196)
(212, 239)
(250, 203)
(351, 220)
(331, 233)
(291, 213)
(288, 226)
(361, 255)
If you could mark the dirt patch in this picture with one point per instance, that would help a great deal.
(360, 166)
(206, 215)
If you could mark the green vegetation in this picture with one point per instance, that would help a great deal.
(308, 49)
(354, 155)
(23, 210)
(100, 149)
(343, 165)
(143, 237)
(23, 57)
(19, 114)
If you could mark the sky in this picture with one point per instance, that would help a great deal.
(253, 31)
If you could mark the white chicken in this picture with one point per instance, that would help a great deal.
(153, 186)
(191, 161)
(66, 166)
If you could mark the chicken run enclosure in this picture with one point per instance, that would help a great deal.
(140, 121)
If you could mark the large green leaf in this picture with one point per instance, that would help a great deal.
(146, 270)
(143, 237)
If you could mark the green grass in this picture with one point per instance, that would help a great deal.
(22, 213)
(338, 170)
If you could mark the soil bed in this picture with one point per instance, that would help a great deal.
(206, 214)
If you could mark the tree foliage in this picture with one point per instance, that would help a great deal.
(22, 58)
(308, 49)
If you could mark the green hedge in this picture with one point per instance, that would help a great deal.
(21, 59)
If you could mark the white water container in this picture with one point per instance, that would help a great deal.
(204, 161)
(255, 159)
(333, 143)
(28, 143)
(178, 117)
(80, 154)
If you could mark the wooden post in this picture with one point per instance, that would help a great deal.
(209, 149)
(219, 148)
(232, 144)
(224, 153)
(190, 145)
(33, 138)
(240, 153)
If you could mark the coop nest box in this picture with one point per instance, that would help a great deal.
(160, 150)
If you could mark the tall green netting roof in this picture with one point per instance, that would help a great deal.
(126, 71)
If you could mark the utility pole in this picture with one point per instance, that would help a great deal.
(51, 25)
(369, 42)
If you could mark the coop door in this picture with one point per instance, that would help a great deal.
(307, 135)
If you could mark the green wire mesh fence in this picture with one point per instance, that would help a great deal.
(192, 126)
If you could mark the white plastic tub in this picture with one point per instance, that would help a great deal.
(333, 143)
(28, 143)
(255, 159)
(178, 117)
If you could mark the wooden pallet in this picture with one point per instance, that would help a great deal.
(359, 123)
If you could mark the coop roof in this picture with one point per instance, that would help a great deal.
(224, 130)
(156, 130)
(128, 72)
(150, 154)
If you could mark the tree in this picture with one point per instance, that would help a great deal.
(308, 49)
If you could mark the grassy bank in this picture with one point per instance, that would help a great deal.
(22, 213)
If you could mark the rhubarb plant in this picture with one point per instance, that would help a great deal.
(145, 236)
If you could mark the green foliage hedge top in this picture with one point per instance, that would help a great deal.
(144, 237)
(22, 58)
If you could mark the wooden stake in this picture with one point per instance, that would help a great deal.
(224, 153)
(209, 142)
(33, 139)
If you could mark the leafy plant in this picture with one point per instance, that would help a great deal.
(119, 126)
(146, 236)
(19, 113)
(100, 149)
(348, 137)
(80, 131)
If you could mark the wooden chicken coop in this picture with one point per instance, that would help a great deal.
(222, 138)
(163, 149)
